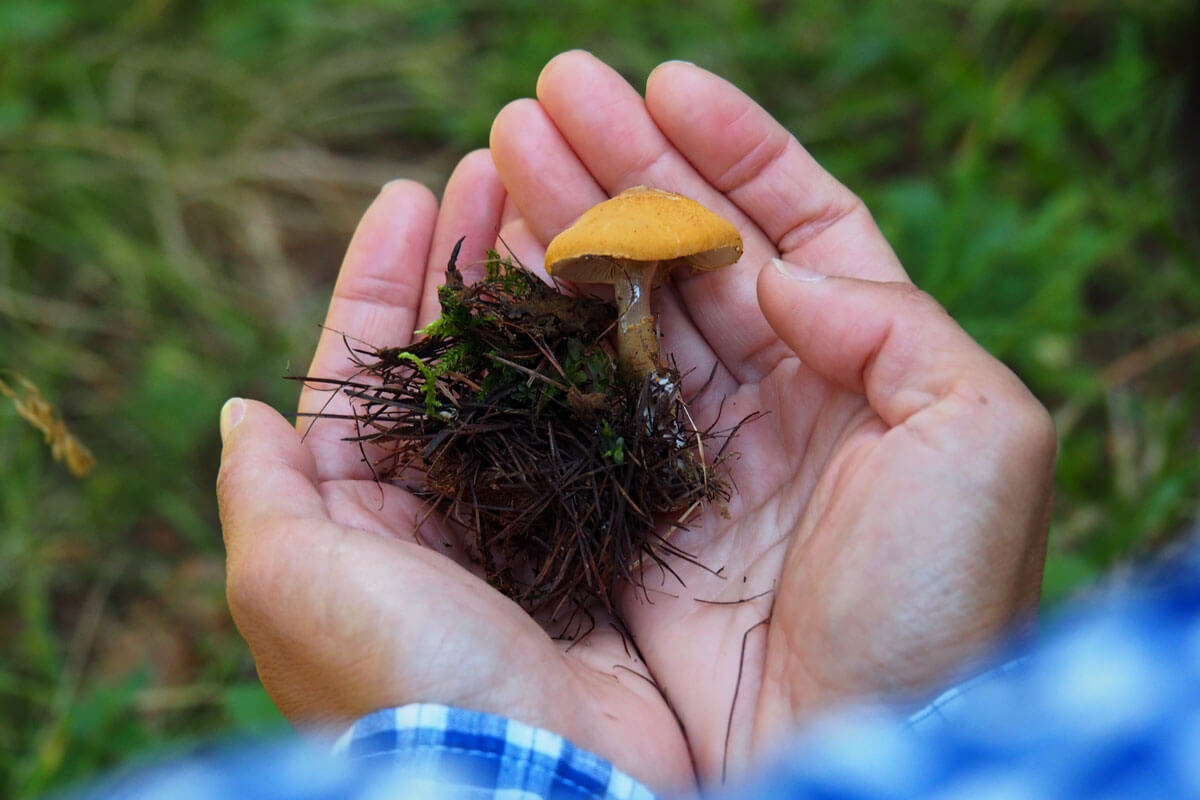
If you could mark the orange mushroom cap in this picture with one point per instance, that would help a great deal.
(642, 224)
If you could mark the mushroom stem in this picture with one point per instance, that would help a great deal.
(637, 330)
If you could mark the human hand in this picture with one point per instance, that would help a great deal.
(345, 607)
(346, 612)
(893, 504)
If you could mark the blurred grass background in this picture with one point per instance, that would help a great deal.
(178, 180)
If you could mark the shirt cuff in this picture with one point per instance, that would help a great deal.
(482, 755)
(947, 705)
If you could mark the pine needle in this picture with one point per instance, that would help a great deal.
(554, 468)
(37, 411)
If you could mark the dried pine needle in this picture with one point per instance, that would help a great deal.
(510, 417)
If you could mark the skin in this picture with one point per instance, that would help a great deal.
(892, 504)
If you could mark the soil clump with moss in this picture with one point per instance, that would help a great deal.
(563, 474)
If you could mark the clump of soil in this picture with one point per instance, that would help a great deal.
(512, 417)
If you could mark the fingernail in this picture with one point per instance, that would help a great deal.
(667, 64)
(231, 414)
(391, 183)
(795, 271)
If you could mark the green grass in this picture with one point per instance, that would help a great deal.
(178, 179)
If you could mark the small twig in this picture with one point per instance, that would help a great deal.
(526, 370)
(736, 690)
(733, 602)
(1138, 361)
(646, 678)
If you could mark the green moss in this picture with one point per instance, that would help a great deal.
(486, 325)
(614, 445)
(511, 280)
(429, 388)
(588, 367)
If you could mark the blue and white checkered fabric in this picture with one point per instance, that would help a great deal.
(470, 754)
(947, 704)
(1105, 705)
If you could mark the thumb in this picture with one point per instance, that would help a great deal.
(266, 474)
(888, 341)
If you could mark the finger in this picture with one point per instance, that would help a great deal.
(898, 347)
(268, 486)
(517, 240)
(604, 122)
(552, 187)
(545, 179)
(510, 212)
(742, 151)
(471, 209)
(266, 474)
(308, 594)
(375, 303)
(380, 284)
(607, 127)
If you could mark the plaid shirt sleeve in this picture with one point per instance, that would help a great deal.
(469, 754)
(948, 704)
(1105, 705)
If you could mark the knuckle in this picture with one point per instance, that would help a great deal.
(921, 300)
(228, 480)
(1010, 419)
(252, 577)
(247, 585)
(1039, 431)
(1027, 425)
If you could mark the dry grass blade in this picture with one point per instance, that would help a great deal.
(38, 412)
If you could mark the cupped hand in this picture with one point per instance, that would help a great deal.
(891, 505)
(351, 597)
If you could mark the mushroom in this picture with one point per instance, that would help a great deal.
(632, 241)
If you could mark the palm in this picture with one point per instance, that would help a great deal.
(701, 643)
(825, 480)
(801, 540)
(436, 632)
(478, 650)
